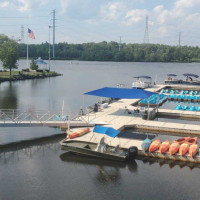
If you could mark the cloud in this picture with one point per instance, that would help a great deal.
(4, 4)
(135, 16)
(22, 5)
(112, 11)
(64, 5)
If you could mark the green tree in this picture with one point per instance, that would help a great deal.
(34, 66)
(9, 55)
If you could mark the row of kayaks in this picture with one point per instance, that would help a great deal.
(190, 92)
(182, 146)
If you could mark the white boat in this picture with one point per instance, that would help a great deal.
(142, 82)
(100, 149)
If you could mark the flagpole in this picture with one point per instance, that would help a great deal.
(27, 51)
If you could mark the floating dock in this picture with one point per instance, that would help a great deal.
(117, 117)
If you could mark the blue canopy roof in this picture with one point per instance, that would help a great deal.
(147, 77)
(193, 75)
(40, 61)
(171, 75)
(106, 130)
(121, 93)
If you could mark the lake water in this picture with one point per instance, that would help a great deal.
(41, 170)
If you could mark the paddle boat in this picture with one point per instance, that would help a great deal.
(193, 149)
(145, 145)
(164, 146)
(78, 133)
(154, 145)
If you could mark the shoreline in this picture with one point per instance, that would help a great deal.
(22, 77)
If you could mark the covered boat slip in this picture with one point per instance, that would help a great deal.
(189, 79)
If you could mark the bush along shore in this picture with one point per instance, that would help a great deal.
(26, 74)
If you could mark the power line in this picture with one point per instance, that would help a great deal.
(23, 17)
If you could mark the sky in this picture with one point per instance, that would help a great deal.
(82, 21)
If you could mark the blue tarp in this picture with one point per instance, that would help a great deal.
(121, 93)
(106, 130)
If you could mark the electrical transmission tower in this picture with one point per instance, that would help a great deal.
(146, 33)
(22, 34)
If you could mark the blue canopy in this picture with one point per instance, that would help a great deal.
(171, 75)
(40, 61)
(106, 130)
(121, 93)
(147, 77)
(193, 75)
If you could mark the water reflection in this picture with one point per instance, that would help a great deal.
(8, 98)
(108, 171)
(170, 163)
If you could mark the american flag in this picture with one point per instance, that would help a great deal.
(31, 34)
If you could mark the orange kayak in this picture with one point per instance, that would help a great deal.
(154, 145)
(182, 140)
(174, 147)
(193, 149)
(183, 149)
(79, 133)
(164, 146)
(192, 141)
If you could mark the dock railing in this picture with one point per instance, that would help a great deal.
(19, 116)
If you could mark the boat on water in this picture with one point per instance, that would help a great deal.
(155, 145)
(100, 149)
(191, 79)
(142, 82)
(164, 146)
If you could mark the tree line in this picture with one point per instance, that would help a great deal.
(109, 51)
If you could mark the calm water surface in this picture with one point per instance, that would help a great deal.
(43, 171)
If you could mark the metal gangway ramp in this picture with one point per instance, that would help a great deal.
(14, 117)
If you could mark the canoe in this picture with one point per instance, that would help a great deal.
(182, 140)
(174, 147)
(184, 148)
(192, 141)
(79, 133)
(154, 145)
(164, 146)
(193, 149)
(145, 145)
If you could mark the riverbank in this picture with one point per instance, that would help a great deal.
(22, 75)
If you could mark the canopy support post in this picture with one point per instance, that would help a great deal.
(148, 109)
